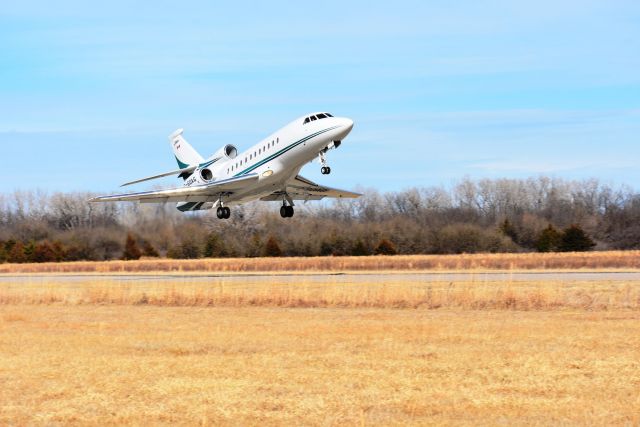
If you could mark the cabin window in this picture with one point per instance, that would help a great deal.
(250, 156)
(278, 140)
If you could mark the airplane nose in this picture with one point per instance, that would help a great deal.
(346, 125)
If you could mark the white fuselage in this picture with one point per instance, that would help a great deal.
(277, 158)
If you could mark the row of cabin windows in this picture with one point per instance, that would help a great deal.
(255, 154)
(316, 117)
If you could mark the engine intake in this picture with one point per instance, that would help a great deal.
(206, 174)
(228, 151)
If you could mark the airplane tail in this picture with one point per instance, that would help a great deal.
(185, 154)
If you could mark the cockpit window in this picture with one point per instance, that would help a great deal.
(321, 116)
(313, 118)
(328, 115)
(306, 120)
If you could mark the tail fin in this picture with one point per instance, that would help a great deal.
(185, 154)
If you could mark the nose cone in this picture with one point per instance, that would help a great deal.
(346, 125)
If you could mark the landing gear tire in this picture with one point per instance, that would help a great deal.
(286, 211)
(325, 170)
(223, 212)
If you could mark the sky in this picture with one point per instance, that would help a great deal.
(438, 90)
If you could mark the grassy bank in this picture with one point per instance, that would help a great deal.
(528, 261)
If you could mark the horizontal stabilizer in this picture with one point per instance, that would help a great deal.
(188, 170)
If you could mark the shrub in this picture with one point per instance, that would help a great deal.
(214, 247)
(360, 249)
(272, 248)
(385, 247)
(131, 249)
(16, 254)
(45, 252)
(149, 250)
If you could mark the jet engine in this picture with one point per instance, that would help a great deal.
(204, 174)
(227, 152)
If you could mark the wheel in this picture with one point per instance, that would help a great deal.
(283, 211)
(289, 211)
(220, 213)
(227, 212)
(323, 170)
(328, 170)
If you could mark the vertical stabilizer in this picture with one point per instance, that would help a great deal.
(185, 154)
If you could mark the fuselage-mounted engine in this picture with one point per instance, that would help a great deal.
(204, 173)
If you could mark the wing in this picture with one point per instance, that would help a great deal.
(300, 188)
(197, 193)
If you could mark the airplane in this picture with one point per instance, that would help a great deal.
(268, 171)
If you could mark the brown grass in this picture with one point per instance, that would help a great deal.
(474, 293)
(290, 351)
(142, 365)
(530, 261)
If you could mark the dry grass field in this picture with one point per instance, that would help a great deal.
(105, 365)
(84, 350)
(527, 261)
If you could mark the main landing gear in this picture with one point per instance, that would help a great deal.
(223, 212)
(286, 211)
(325, 170)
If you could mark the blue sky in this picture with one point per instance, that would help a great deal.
(438, 90)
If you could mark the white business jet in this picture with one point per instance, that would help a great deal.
(267, 171)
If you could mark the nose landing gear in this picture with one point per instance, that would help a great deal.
(325, 170)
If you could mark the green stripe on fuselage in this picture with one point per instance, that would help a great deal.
(284, 150)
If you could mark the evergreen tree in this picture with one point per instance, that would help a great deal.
(16, 254)
(28, 250)
(385, 247)
(131, 249)
(548, 240)
(3, 252)
(509, 230)
(149, 250)
(360, 249)
(213, 247)
(190, 249)
(574, 239)
(272, 248)
(44, 252)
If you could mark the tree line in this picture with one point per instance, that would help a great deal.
(499, 215)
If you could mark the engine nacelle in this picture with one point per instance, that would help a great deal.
(227, 152)
(205, 174)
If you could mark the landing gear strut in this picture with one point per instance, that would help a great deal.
(223, 212)
(325, 170)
